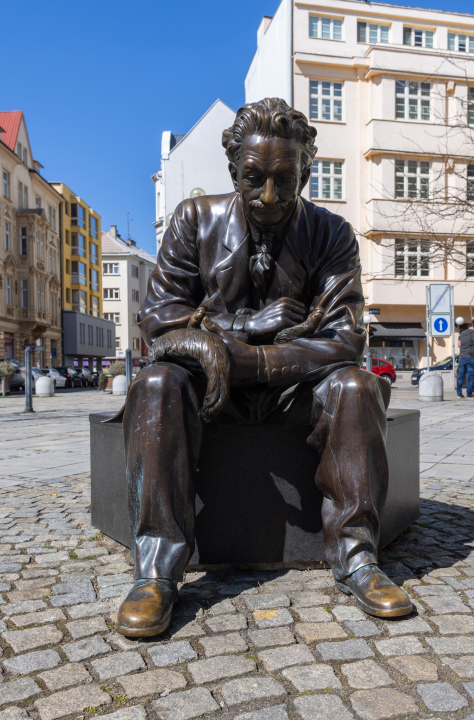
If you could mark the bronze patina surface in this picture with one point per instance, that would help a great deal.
(255, 312)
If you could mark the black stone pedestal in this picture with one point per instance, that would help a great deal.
(260, 506)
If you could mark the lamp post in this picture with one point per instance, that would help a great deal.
(368, 362)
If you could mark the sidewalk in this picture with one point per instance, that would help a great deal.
(243, 646)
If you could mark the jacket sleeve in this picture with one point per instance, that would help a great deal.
(174, 288)
(340, 339)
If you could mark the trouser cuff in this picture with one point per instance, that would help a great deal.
(342, 570)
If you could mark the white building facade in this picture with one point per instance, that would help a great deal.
(192, 164)
(391, 92)
(125, 272)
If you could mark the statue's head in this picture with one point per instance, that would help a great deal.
(270, 148)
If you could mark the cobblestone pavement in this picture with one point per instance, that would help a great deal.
(243, 646)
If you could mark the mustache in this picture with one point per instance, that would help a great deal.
(259, 205)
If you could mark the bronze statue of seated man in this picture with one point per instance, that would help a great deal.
(254, 312)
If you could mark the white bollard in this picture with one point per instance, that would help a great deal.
(44, 387)
(430, 387)
(119, 385)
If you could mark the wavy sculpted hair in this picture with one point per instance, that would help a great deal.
(271, 117)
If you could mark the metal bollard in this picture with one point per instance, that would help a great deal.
(28, 380)
(128, 366)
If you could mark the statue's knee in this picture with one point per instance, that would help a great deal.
(158, 377)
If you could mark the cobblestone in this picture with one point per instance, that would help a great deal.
(415, 668)
(217, 668)
(35, 637)
(38, 660)
(284, 657)
(152, 682)
(312, 677)
(441, 697)
(223, 644)
(248, 689)
(322, 707)
(113, 665)
(16, 690)
(365, 675)
(380, 704)
(74, 700)
(83, 649)
(172, 654)
(185, 705)
(65, 676)
(271, 637)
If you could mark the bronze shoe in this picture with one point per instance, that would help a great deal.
(375, 593)
(146, 611)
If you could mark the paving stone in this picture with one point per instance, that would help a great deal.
(23, 607)
(151, 683)
(10, 567)
(362, 628)
(73, 700)
(454, 624)
(25, 595)
(272, 618)
(38, 618)
(137, 712)
(446, 604)
(344, 612)
(312, 677)
(405, 645)
(441, 697)
(17, 690)
(345, 650)
(82, 628)
(275, 712)
(70, 674)
(185, 705)
(223, 644)
(248, 689)
(114, 591)
(463, 666)
(365, 675)
(308, 599)
(314, 614)
(107, 580)
(415, 668)
(222, 608)
(271, 637)
(226, 623)
(189, 629)
(217, 668)
(278, 658)
(14, 713)
(30, 662)
(379, 704)
(267, 601)
(89, 609)
(83, 649)
(452, 646)
(322, 707)
(119, 664)
(21, 640)
(312, 632)
(470, 688)
(172, 654)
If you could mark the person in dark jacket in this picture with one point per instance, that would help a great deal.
(466, 361)
(251, 265)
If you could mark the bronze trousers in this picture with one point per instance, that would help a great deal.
(163, 432)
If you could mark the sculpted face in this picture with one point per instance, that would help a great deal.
(269, 179)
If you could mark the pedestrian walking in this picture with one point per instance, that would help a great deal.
(466, 361)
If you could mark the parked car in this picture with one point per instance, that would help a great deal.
(382, 368)
(17, 382)
(90, 377)
(446, 364)
(73, 379)
(58, 379)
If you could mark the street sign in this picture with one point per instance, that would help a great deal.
(440, 299)
(441, 325)
(38, 348)
(374, 311)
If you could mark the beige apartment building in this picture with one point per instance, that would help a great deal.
(30, 290)
(390, 90)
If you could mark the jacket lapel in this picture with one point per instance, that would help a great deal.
(290, 278)
(232, 273)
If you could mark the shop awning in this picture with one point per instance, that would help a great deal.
(397, 331)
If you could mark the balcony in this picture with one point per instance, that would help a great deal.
(420, 138)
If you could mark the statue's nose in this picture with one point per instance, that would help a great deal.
(268, 194)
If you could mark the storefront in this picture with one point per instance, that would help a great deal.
(397, 343)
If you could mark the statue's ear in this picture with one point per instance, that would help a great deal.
(234, 175)
(304, 178)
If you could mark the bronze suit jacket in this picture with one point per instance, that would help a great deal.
(204, 260)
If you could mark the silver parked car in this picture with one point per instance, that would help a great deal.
(58, 379)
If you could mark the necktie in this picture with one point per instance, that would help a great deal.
(262, 264)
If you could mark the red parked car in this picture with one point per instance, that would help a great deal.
(382, 368)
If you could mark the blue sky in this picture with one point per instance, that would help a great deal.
(100, 80)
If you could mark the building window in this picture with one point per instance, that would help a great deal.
(38, 296)
(93, 254)
(460, 43)
(325, 101)
(134, 319)
(8, 240)
(23, 241)
(111, 294)
(78, 244)
(417, 37)
(18, 149)
(94, 279)
(8, 281)
(135, 296)
(470, 106)
(68, 267)
(38, 245)
(412, 179)
(115, 317)
(90, 334)
(68, 238)
(93, 226)
(52, 218)
(325, 28)
(470, 183)
(372, 34)
(78, 273)
(24, 294)
(135, 271)
(110, 268)
(78, 215)
(470, 258)
(412, 100)
(37, 202)
(20, 195)
(79, 301)
(66, 207)
(95, 306)
(68, 295)
(109, 338)
(412, 258)
(136, 343)
(6, 184)
(326, 180)
(117, 343)
(43, 297)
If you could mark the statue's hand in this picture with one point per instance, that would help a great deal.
(281, 314)
(243, 357)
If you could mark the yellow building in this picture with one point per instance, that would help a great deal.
(81, 254)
